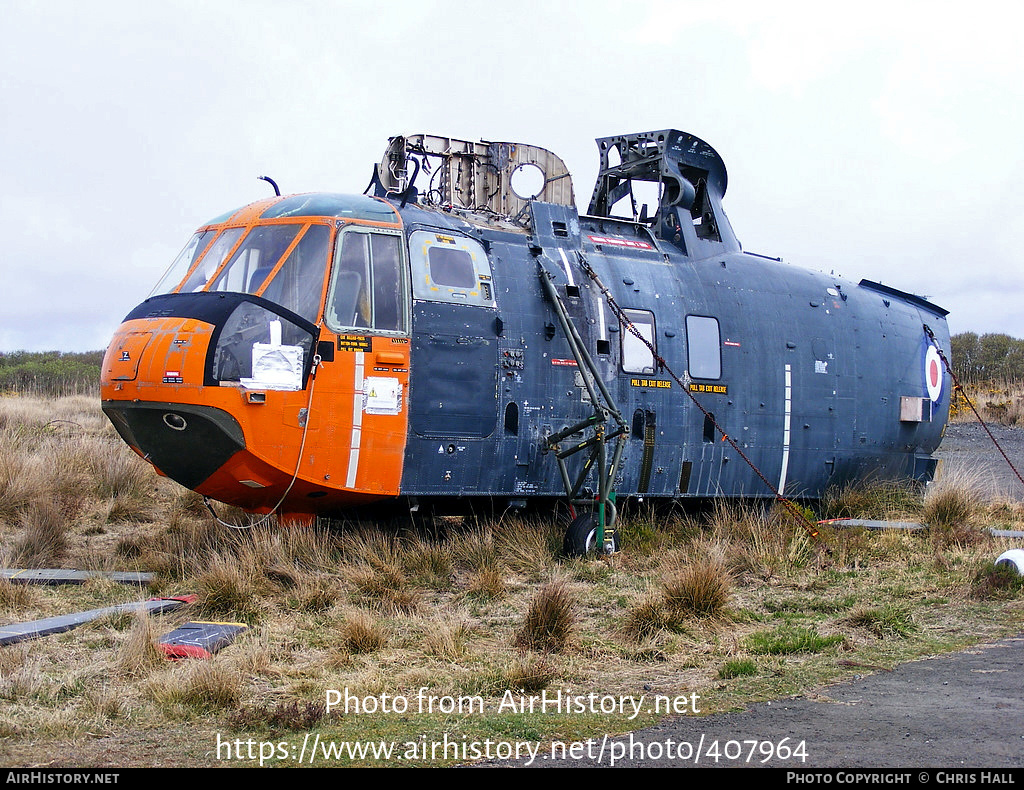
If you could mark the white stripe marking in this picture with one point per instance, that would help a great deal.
(786, 429)
(565, 265)
(357, 422)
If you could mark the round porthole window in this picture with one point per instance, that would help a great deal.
(527, 181)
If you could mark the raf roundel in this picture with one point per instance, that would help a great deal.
(933, 374)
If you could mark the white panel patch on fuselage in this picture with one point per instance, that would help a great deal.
(357, 422)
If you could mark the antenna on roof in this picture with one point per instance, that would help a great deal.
(272, 183)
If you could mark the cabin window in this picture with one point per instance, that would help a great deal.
(448, 268)
(368, 283)
(703, 347)
(637, 356)
(451, 267)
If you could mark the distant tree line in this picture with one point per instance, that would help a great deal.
(53, 373)
(985, 358)
(975, 359)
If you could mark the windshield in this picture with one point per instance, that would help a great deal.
(298, 283)
(284, 263)
(211, 261)
(195, 247)
(255, 259)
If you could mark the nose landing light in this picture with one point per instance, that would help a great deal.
(175, 421)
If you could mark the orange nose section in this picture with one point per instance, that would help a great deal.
(121, 362)
(337, 442)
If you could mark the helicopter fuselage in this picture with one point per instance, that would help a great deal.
(312, 353)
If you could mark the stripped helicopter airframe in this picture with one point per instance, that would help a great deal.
(462, 333)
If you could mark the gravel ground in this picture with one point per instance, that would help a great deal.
(967, 448)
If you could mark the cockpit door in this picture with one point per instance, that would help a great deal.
(366, 386)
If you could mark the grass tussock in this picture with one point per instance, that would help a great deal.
(429, 564)
(698, 590)
(199, 685)
(995, 581)
(788, 639)
(361, 633)
(529, 547)
(139, 655)
(871, 499)
(281, 717)
(447, 640)
(738, 668)
(43, 541)
(229, 589)
(701, 589)
(15, 597)
(487, 584)
(884, 621)
(647, 618)
(475, 550)
(549, 622)
(310, 594)
(529, 674)
(21, 675)
(384, 587)
(955, 506)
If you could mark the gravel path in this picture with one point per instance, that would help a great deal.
(953, 712)
(967, 449)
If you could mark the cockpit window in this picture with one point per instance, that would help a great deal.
(211, 261)
(299, 282)
(368, 283)
(181, 264)
(255, 258)
(297, 253)
(319, 204)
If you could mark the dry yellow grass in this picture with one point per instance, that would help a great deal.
(1000, 402)
(345, 606)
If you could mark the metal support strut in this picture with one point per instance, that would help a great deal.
(596, 444)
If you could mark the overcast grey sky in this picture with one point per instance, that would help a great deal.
(881, 141)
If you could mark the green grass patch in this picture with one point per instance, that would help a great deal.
(738, 668)
(791, 639)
